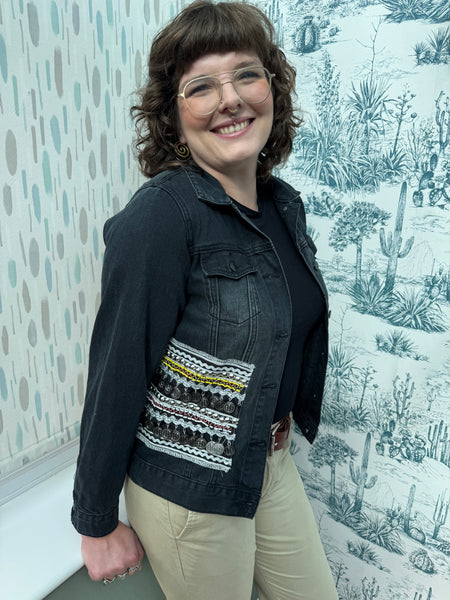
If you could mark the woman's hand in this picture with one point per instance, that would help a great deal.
(112, 555)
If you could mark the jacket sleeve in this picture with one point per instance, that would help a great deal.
(145, 269)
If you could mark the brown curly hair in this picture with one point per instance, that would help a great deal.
(205, 28)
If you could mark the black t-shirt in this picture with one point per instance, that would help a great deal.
(306, 297)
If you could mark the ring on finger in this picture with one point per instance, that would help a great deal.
(134, 569)
(106, 581)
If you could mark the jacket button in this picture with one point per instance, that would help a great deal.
(329, 313)
(316, 265)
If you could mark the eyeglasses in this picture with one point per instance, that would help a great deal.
(204, 94)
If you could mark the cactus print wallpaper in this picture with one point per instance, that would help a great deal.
(372, 161)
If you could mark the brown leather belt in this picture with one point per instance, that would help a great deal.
(279, 434)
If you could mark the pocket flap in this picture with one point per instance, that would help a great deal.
(233, 265)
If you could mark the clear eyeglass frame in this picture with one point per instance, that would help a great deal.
(235, 73)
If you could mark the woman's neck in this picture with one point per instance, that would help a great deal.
(241, 187)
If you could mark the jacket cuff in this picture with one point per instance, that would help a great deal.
(94, 525)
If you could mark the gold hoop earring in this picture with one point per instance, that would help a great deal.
(182, 151)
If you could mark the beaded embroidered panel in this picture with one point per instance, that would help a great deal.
(193, 406)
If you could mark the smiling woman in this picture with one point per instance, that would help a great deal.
(212, 332)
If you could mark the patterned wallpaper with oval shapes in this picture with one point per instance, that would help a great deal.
(67, 72)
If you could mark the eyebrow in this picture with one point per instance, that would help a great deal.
(240, 65)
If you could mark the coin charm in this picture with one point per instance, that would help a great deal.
(229, 451)
(201, 443)
(215, 448)
(176, 393)
(228, 408)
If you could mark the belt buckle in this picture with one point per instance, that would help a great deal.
(272, 438)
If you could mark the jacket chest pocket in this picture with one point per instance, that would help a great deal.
(231, 287)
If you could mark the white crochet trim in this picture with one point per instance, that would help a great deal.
(201, 372)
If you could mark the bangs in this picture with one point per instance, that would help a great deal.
(217, 29)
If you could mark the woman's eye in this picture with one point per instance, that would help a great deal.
(199, 88)
(250, 75)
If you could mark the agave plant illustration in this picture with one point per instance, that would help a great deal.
(439, 11)
(322, 146)
(414, 309)
(405, 10)
(368, 106)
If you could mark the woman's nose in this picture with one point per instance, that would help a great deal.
(230, 98)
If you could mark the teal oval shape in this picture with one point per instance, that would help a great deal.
(68, 323)
(77, 95)
(56, 134)
(48, 274)
(12, 273)
(122, 166)
(36, 202)
(3, 388)
(109, 12)
(3, 59)
(108, 108)
(95, 240)
(54, 17)
(47, 172)
(99, 23)
(65, 204)
(78, 353)
(38, 404)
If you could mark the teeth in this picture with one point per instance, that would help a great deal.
(234, 128)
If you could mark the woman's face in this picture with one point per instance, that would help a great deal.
(229, 140)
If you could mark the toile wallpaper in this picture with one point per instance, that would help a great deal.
(373, 163)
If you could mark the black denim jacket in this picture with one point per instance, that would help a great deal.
(188, 351)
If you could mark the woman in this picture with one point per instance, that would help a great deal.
(212, 330)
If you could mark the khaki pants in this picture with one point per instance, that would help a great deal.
(199, 556)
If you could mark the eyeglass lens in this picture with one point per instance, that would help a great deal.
(252, 85)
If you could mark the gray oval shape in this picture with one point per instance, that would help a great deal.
(138, 69)
(61, 365)
(45, 318)
(33, 23)
(92, 165)
(69, 163)
(115, 204)
(80, 389)
(5, 341)
(24, 394)
(58, 71)
(118, 82)
(88, 125)
(76, 18)
(60, 245)
(11, 152)
(83, 225)
(104, 153)
(32, 333)
(7, 199)
(33, 255)
(26, 296)
(82, 301)
(96, 86)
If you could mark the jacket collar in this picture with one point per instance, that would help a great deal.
(208, 188)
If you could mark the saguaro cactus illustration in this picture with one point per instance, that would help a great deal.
(359, 475)
(440, 513)
(436, 435)
(392, 243)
